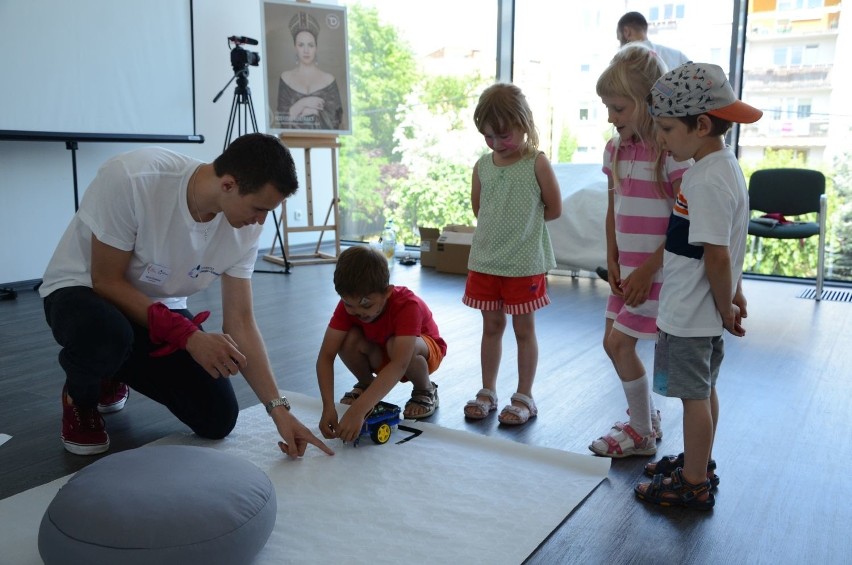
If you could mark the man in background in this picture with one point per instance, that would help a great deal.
(634, 27)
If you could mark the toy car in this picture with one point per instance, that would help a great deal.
(379, 423)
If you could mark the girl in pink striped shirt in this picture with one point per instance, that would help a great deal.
(642, 182)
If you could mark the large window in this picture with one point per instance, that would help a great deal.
(416, 79)
(416, 76)
(792, 50)
(562, 47)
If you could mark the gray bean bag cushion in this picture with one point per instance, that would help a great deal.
(160, 504)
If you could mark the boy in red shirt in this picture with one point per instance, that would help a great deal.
(384, 334)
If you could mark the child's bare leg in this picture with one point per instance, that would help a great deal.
(491, 352)
(697, 438)
(524, 326)
(360, 356)
(418, 374)
(714, 413)
(607, 330)
(621, 348)
(493, 326)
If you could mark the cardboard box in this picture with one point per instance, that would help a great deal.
(453, 249)
(429, 246)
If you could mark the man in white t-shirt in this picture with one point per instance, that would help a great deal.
(153, 228)
(634, 27)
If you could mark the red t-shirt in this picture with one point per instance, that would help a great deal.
(404, 314)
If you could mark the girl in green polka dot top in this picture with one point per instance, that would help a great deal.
(514, 192)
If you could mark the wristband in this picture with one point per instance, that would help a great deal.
(171, 328)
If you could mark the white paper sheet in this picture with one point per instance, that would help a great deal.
(443, 496)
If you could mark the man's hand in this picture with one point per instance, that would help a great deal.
(218, 354)
(295, 436)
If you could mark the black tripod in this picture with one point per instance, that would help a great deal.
(242, 116)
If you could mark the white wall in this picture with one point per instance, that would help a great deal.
(36, 183)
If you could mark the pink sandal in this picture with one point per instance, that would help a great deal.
(523, 413)
(623, 441)
(476, 409)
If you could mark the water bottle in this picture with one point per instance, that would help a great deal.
(389, 241)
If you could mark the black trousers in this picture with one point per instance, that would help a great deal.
(99, 342)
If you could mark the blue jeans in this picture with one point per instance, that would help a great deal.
(99, 342)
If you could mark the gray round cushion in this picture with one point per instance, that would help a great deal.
(160, 504)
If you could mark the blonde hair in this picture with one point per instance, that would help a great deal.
(503, 107)
(631, 74)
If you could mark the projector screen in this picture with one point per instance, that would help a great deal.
(97, 70)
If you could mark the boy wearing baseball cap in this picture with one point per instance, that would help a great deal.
(693, 107)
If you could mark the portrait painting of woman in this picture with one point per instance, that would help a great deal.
(309, 43)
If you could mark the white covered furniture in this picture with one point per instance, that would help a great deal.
(579, 236)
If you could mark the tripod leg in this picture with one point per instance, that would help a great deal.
(241, 120)
(231, 121)
(281, 243)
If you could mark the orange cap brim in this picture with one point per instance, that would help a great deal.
(738, 112)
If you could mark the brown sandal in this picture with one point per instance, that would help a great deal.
(421, 397)
(676, 491)
(352, 395)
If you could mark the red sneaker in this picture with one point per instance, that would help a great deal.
(113, 396)
(83, 429)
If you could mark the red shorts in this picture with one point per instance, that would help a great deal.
(512, 295)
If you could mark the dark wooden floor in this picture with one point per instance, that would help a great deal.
(783, 445)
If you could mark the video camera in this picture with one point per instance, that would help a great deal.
(242, 58)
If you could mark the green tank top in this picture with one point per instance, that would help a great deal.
(511, 238)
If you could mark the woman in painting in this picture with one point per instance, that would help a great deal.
(308, 97)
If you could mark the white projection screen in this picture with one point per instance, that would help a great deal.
(97, 69)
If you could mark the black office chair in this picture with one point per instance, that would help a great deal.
(788, 193)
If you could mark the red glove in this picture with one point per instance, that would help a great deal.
(171, 328)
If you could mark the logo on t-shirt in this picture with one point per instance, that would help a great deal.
(199, 269)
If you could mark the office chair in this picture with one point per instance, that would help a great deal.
(789, 192)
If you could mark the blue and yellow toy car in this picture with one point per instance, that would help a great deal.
(379, 423)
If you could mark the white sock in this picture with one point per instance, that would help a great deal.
(638, 402)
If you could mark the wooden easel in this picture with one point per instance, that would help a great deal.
(283, 230)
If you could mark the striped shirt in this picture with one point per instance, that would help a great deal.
(641, 213)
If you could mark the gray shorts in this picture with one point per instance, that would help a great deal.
(687, 367)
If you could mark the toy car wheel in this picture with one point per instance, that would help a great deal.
(381, 434)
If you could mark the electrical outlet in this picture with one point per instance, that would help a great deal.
(297, 214)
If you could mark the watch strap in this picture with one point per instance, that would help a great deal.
(275, 402)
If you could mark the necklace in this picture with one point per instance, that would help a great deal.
(192, 190)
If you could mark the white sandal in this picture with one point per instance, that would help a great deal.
(523, 413)
(476, 409)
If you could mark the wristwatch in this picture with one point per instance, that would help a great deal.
(277, 402)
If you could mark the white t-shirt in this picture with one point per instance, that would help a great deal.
(671, 57)
(137, 202)
(712, 207)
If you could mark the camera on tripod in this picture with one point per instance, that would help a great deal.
(242, 58)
